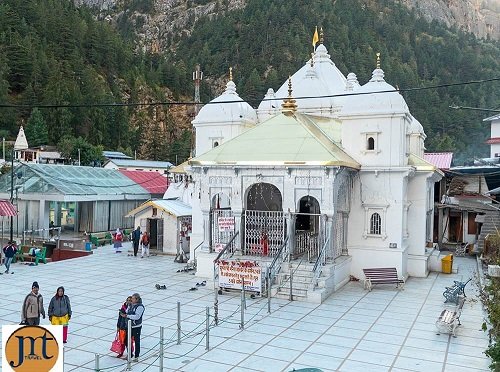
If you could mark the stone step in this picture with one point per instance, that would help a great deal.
(295, 291)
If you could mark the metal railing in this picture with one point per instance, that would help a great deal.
(320, 262)
(274, 268)
(225, 253)
(41, 234)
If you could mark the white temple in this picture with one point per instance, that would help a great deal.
(335, 184)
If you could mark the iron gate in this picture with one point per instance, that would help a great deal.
(265, 232)
(309, 241)
(221, 234)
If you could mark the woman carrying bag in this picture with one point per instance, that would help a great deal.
(60, 311)
(121, 330)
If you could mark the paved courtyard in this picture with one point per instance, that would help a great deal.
(354, 330)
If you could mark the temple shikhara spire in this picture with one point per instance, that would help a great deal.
(289, 104)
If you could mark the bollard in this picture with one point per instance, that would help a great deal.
(207, 329)
(291, 277)
(129, 344)
(216, 306)
(97, 369)
(242, 321)
(178, 323)
(243, 291)
(161, 345)
(269, 294)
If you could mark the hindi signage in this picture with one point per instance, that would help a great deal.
(225, 223)
(233, 273)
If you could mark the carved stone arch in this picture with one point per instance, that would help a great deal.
(263, 196)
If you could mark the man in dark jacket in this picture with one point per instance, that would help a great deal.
(135, 313)
(136, 237)
(9, 251)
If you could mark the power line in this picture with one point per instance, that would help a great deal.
(473, 108)
(191, 103)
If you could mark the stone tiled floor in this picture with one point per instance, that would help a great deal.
(354, 330)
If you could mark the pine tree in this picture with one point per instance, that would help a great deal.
(36, 129)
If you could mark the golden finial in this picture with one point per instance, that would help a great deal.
(378, 60)
(321, 35)
(289, 105)
(230, 74)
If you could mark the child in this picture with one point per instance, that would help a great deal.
(145, 244)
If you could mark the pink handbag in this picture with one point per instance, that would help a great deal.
(117, 346)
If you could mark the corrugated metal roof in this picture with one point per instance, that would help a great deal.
(7, 208)
(74, 180)
(441, 160)
(141, 163)
(153, 182)
(174, 207)
(115, 155)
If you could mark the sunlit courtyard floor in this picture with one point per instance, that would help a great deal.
(353, 330)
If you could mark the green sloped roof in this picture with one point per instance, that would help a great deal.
(281, 140)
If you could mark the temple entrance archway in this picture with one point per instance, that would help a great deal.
(264, 220)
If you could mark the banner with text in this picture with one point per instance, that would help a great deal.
(233, 273)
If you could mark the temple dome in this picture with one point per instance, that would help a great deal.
(324, 78)
(269, 107)
(388, 101)
(218, 111)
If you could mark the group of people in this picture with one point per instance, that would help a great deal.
(59, 310)
(59, 313)
(133, 310)
(138, 238)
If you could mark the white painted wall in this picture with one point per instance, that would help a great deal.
(495, 132)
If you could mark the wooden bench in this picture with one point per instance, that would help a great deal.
(382, 275)
(101, 238)
(449, 319)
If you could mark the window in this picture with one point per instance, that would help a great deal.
(375, 224)
(370, 144)
(216, 143)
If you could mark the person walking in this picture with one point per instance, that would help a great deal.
(117, 240)
(145, 241)
(60, 311)
(136, 238)
(9, 252)
(135, 314)
(33, 307)
(121, 325)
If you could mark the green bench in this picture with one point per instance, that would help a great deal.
(101, 238)
(23, 253)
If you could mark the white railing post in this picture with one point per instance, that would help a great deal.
(207, 329)
(178, 323)
(97, 369)
(161, 348)
(129, 344)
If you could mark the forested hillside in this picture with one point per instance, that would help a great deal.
(53, 53)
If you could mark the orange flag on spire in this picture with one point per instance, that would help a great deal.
(315, 37)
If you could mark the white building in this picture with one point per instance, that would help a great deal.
(494, 140)
(340, 179)
(139, 165)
